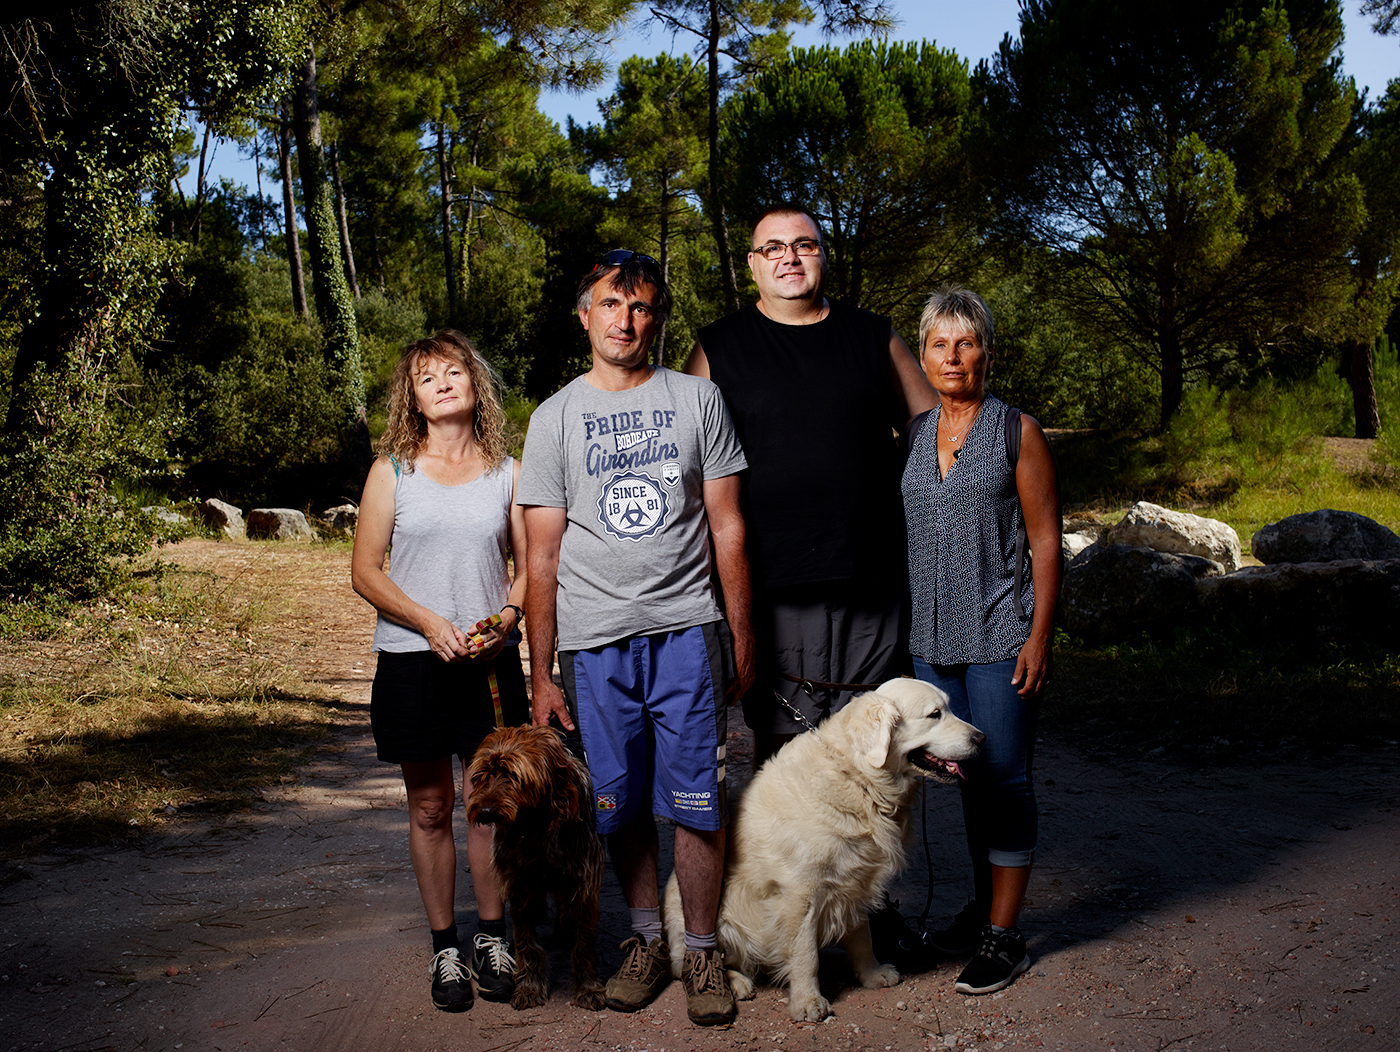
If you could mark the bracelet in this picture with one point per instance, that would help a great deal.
(519, 613)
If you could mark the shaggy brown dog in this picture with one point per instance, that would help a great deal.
(539, 798)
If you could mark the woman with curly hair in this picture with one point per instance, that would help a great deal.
(442, 492)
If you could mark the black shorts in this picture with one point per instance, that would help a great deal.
(423, 708)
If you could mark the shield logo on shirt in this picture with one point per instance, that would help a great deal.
(632, 506)
(671, 473)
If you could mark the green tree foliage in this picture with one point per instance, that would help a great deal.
(651, 148)
(870, 138)
(751, 34)
(334, 305)
(459, 228)
(94, 92)
(1174, 156)
(1372, 153)
(1385, 14)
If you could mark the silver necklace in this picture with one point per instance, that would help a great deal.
(952, 438)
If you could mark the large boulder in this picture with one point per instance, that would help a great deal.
(1342, 599)
(1112, 591)
(1178, 532)
(1324, 536)
(342, 517)
(279, 524)
(222, 516)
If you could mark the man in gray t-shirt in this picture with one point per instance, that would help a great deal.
(629, 473)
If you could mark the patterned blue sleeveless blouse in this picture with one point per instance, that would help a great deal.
(962, 546)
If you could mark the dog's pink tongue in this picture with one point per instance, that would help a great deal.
(956, 769)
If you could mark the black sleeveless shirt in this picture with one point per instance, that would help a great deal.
(815, 409)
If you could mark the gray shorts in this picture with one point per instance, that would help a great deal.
(831, 633)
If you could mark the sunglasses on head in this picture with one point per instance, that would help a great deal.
(618, 256)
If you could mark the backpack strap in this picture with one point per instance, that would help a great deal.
(912, 433)
(1013, 454)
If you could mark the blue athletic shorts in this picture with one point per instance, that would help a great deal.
(653, 717)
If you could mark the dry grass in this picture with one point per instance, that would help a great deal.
(179, 696)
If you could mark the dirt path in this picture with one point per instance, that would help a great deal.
(1245, 908)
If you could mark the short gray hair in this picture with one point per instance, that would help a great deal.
(956, 303)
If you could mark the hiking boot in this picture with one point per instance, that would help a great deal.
(708, 999)
(493, 967)
(645, 971)
(1001, 957)
(896, 943)
(964, 935)
(452, 984)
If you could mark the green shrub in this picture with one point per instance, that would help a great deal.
(518, 410)
(1268, 435)
(272, 425)
(67, 529)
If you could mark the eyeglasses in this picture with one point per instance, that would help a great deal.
(618, 256)
(803, 246)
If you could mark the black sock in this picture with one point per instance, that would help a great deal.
(494, 928)
(445, 939)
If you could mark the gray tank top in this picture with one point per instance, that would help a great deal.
(448, 551)
(962, 546)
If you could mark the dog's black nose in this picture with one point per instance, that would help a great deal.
(978, 737)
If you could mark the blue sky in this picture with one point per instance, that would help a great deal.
(972, 28)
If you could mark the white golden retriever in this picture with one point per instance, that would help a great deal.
(818, 836)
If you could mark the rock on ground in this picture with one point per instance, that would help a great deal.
(1180, 533)
(279, 524)
(1112, 591)
(1324, 536)
(222, 516)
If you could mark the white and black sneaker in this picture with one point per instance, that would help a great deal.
(493, 967)
(1001, 957)
(452, 983)
(964, 935)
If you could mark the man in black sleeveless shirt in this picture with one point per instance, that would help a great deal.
(816, 391)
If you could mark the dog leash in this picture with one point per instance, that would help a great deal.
(495, 693)
(810, 687)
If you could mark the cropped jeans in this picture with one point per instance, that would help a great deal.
(998, 795)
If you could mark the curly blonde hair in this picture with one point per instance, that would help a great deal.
(407, 431)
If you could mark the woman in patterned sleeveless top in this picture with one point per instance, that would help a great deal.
(443, 493)
(981, 630)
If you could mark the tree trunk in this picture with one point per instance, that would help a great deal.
(449, 263)
(197, 223)
(334, 305)
(289, 211)
(659, 351)
(1362, 378)
(376, 259)
(262, 211)
(347, 256)
(464, 261)
(1173, 378)
(717, 215)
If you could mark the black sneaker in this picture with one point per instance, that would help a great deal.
(964, 935)
(1001, 957)
(452, 985)
(896, 943)
(493, 967)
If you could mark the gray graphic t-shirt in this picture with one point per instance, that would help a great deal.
(629, 467)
